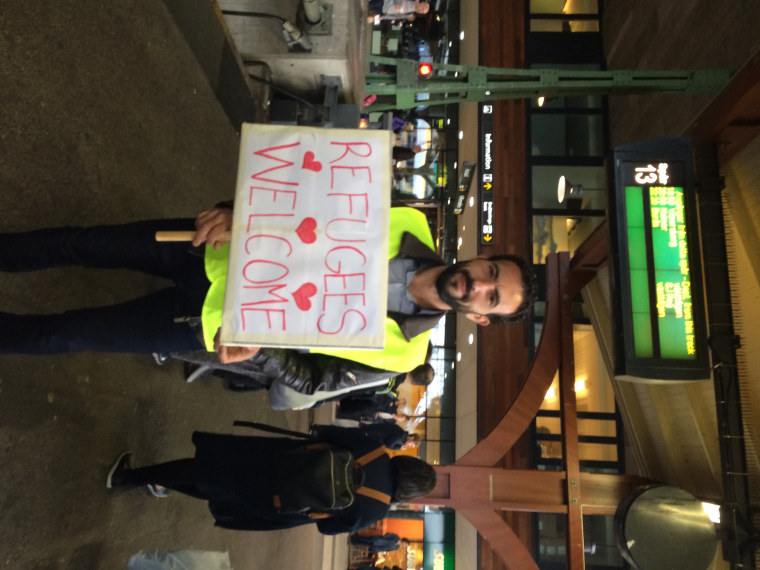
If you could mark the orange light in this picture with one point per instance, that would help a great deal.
(425, 69)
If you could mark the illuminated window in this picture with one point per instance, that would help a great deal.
(564, 16)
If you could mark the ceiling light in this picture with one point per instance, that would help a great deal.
(712, 511)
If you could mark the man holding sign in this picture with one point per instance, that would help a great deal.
(329, 306)
(485, 290)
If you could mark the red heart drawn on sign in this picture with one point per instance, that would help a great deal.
(310, 163)
(302, 294)
(305, 230)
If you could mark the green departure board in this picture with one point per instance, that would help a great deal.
(672, 275)
(660, 320)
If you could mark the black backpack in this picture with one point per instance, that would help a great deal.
(318, 478)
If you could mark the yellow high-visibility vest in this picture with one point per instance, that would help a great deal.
(398, 355)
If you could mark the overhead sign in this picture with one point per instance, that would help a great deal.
(661, 320)
(309, 252)
(486, 177)
(465, 180)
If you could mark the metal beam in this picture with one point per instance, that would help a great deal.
(457, 83)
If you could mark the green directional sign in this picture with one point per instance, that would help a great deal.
(660, 318)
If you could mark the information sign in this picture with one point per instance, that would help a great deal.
(485, 189)
(661, 315)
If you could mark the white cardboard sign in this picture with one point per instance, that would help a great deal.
(309, 249)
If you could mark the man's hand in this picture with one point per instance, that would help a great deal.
(213, 227)
(230, 354)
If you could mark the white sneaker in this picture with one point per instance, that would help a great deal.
(158, 491)
(116, 474)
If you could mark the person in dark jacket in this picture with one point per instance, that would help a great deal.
(363, 405)
(235, 475)
(378, 543)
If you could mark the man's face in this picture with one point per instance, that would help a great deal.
(481, 287)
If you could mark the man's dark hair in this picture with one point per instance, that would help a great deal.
(529, 290)
(422, 375)
(413, 477)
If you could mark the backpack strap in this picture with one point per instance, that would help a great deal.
(371, 456)
(368, 491)
(271, 429)
(374, 494)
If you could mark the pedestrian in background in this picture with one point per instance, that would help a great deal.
(238, 477)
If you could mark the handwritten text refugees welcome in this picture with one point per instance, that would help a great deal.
(309, 252)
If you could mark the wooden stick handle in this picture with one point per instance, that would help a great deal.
(175, 236)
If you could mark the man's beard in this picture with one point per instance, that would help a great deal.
(441, 286)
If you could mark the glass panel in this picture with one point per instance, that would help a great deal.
(552, 547)
(431, 452)
(599, 542)
(567, 135)
(593, 393)
(419, 176)
(551, 399)
(597, 452)
(440, 428)
(591, 179)
(548, 449)
(545, 25)
(605, 428)
(593, 386)
(560, 233)
(439, 452)
(563, 25)
(583, 25)
(546, 6)
(564, 6)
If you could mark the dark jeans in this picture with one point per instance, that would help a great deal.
(147, 324)
(178, 475)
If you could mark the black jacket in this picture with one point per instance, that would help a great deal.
(235, 474)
